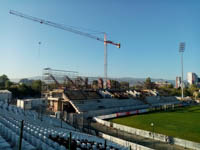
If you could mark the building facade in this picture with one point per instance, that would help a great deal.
(192, 78)
(162, 83)
(178, 82)
(32, 103)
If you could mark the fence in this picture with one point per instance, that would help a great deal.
(132, 146)
(148, 134)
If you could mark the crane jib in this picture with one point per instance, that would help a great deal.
(67, 28)
(73, 30)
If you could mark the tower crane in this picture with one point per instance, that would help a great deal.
(70, 29)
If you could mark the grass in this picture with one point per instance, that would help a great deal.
(183, 123)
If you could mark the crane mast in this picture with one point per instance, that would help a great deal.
(70, 29)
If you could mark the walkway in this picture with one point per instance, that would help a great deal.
(135, 138)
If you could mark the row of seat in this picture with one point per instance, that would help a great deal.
(105, 93)
(89, 105)
(4, 144)
(32, 115)
(36, 135)
(157, 100)
(81, 144)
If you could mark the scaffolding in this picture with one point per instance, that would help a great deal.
(56, 79)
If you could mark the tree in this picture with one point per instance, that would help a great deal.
(14, 90)
(114, 84)
(192, 88)
(138, 87)
(23, 91)
(148, 84)
(37, 85)
(196, 94)
(124, 85)
(170, 86)
(95, 84)
(3, 80)
(186, 92)
(8, 84)
(175, 92)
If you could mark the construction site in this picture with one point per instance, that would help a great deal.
(73, 110)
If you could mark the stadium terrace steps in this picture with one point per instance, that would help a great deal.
(4, 144)
(80, 95)
(98, 104)
(36, 134)
(156, 100)
(74, 95)
(95, 107)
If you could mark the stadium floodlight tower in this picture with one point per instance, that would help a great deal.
(181, 50)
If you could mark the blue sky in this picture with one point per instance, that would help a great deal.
(149, 32)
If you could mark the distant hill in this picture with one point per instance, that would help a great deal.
(30, 78)
(131, 80)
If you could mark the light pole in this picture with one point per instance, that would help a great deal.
(152, 124)
(181, 50)
(105, 61)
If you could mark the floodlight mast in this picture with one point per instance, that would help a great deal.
(181, 50)
(70, 29)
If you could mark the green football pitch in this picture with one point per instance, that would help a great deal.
(183, 122)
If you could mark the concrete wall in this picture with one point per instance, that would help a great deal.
(5, 96)
(38, 101)
(187, 144)
(141, 110)
(144, 133)
(31, 103)
(24, 104)
(135, 131)
(148, 134)
(129, 110)
(113, 110)
(123, 142)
